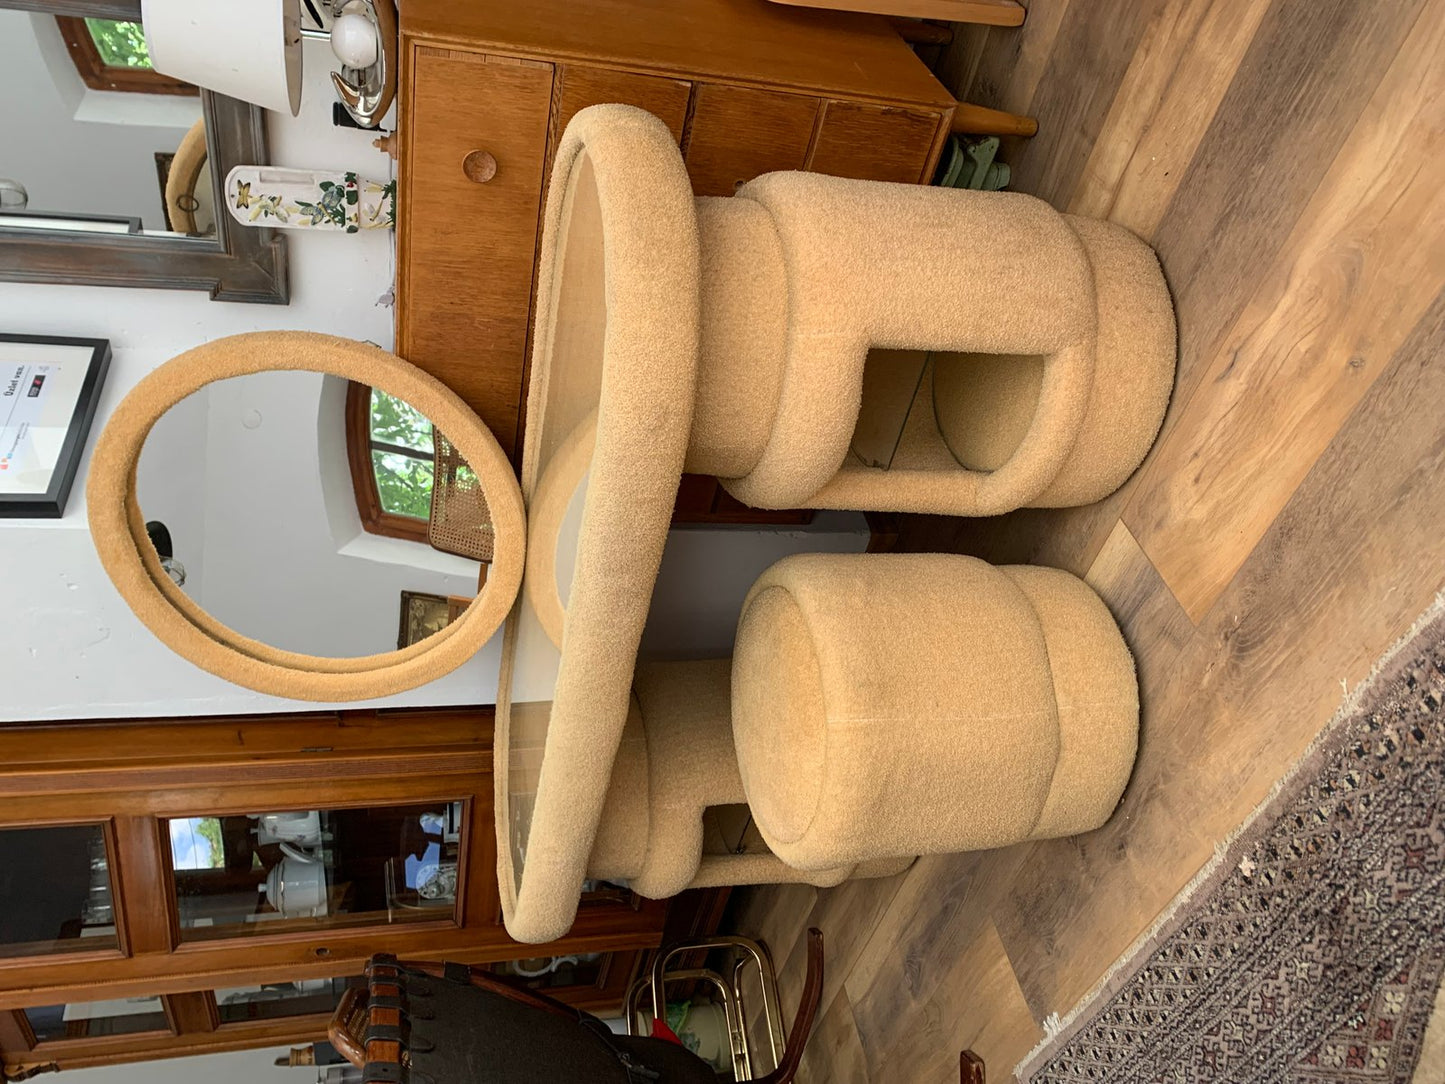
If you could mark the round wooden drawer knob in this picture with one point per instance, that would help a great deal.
(479, 166)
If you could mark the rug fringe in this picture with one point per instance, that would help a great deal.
(1055, 1025)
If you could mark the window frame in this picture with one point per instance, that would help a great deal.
(98, 75)
(374, 519)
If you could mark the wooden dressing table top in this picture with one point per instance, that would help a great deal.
(749, 41)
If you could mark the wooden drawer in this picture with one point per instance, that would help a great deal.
(474, 151)
(739, 133)
(876, 143)
(579, 86)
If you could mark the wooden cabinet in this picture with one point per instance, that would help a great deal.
(746, 86)
(175, 887)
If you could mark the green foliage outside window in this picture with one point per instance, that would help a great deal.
(403, 484)
(120, 44)
(209, 829)
(404, 469)
(396, 422)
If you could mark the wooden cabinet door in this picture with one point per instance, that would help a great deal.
(475, 144)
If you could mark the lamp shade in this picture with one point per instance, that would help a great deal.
(247, 49)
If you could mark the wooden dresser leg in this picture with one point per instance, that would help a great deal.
(980, 120)
(970, 1068)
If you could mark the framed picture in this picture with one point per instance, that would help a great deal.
(421, 616)
(49, 388)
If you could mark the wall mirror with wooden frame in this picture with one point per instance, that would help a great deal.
(113, 173)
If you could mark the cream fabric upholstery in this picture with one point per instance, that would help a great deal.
(908, 704)
(983, 404)
(617, 310)
(1065, 324)
(675, 760)
(728, 336)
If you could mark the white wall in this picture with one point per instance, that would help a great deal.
(71, 648)
(77, 165)
(171, 482)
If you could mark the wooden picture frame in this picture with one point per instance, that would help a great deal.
(240, 263)
(98, 75)
(24, 376)
(420, 610)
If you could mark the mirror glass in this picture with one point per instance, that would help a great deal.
(95, 139)
(297, 510)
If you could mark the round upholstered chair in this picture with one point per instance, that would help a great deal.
(119, 529)
(1046, 342)
(909, 704)
(675, 761)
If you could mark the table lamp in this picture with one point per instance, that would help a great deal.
(251, 49)
(247, 49)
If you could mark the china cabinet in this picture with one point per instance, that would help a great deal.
(187, 886)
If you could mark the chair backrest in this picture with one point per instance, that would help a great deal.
(461, 522)
(453, 1024)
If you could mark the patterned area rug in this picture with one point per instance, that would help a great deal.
(1312, 951)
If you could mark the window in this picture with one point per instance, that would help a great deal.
(111, 55)
(389, 447)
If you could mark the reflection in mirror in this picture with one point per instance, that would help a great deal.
(248, 494)
(95, 1019)
(94, 138)
(280, 1000)
(258, 873)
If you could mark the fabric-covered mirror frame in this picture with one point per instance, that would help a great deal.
(118, 526)
(240, 264)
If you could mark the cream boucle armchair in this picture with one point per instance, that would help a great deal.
(877, 707)
(733, 336)
(1053, 344)
(902, 704)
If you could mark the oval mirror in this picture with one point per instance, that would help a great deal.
(307, 516)
(267, 528)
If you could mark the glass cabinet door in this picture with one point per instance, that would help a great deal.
(95, 1019)
(55, 891)
(265, 872)
(280, 1000)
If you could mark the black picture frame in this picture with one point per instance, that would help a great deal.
(51, 503)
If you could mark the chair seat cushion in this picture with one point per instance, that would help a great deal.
(891, 704)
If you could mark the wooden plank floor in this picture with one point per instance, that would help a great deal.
(1287, 160)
